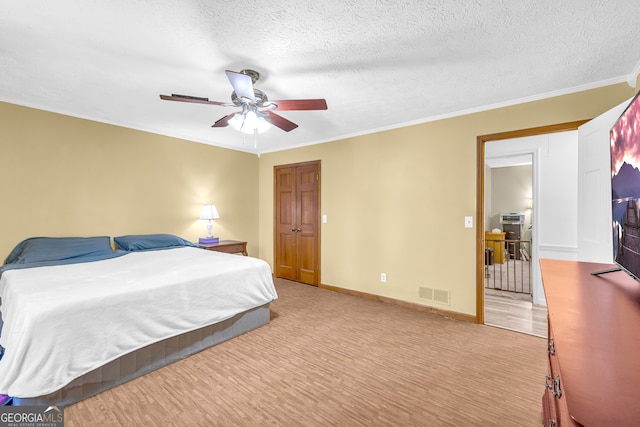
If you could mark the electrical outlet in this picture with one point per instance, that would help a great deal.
(383, 277)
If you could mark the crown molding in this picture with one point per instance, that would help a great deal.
(632, 78)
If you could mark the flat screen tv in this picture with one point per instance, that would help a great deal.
(625, 188)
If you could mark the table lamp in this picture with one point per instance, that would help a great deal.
(209, 213)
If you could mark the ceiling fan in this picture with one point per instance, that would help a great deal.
(257, 111)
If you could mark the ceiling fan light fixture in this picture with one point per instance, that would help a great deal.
(248, 122)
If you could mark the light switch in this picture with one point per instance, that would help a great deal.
(468, 222)
(324, 219)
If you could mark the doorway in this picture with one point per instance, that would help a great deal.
(480, 205)
(508, 285)
(297, 222)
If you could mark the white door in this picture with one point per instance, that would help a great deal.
(595, 238)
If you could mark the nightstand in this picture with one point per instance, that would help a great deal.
(228, 246)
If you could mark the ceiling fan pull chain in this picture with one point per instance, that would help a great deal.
(255, 138)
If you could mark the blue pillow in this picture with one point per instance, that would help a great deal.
(46, 249)
(150, 242)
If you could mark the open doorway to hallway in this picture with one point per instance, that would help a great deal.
(508, 209)
(554, 151)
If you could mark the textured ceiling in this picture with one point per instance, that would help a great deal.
(379, 64)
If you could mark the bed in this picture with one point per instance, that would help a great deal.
(89, 320)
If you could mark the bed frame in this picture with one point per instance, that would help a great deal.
(151, 357)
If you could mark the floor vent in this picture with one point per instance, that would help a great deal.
(435, 295)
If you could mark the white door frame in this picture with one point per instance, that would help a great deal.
(517, 150)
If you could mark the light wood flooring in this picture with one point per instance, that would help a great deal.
(515, 312)
(330, 359)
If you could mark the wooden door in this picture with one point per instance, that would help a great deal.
(297, 231)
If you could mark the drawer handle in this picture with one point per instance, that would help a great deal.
(553, 385)
(548, 385)
(552, 348)
(297, 230)
(557, 391)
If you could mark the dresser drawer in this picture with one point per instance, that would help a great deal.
(556, 410)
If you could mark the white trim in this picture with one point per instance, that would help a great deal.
(632, 77)
(559, 249)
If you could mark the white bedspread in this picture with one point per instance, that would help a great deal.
(61, 322)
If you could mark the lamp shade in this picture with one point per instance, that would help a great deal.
(209, 212)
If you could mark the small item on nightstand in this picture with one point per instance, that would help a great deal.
(208, 240)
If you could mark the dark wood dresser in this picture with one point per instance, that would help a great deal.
(593, 346)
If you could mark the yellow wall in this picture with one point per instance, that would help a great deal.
(396, 200)
(63, 176)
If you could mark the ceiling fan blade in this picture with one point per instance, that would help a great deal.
(280, 121)
(195, 99)
(242, 85)
(223, 121)
(300, 104)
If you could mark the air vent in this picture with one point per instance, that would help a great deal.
(425, 293)
(435, 295)
(442, 296)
